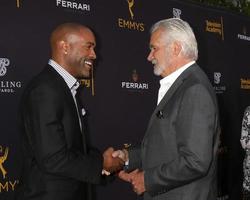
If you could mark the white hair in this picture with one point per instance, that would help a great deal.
(176, 29)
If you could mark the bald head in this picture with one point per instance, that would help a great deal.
(72, 47)
(64, 32)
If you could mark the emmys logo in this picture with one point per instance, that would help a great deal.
(4, 62)
(130, 5)
(131, 24)
(176, 13)
(3, 157)
(217, 76)
(6, 185)
(89, 83)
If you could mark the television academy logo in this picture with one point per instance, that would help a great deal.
(7, 86)
(245, 83)
(176, 13)
(134, 84)
(4, 62)
(131, 24)
(215, 27)
(73, 5)
(217, 80)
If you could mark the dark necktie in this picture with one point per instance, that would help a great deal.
(79, 102)
(80, 114)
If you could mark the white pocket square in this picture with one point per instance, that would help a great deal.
(83, 112)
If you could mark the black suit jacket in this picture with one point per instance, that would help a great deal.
(179, 149)
(56, 162)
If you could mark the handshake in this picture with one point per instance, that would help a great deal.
(113, 162)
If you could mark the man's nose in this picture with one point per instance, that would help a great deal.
(93, 54)
(150, 56)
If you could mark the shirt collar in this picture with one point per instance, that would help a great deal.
(173, 76)
(70, 80)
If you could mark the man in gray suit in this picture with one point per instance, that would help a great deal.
(177, 157)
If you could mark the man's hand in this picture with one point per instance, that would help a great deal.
(127, 176)
(122, 154)
(138, 182)
(111, 164)
(136, 178)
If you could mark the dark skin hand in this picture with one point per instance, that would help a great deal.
(110, 163)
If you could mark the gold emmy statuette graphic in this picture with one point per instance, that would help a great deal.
(130, 5)
(2, 160)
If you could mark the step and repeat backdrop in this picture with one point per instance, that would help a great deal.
(122, 93)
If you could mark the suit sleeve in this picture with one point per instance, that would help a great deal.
(43, 112)
(195, 130)
(134, 158)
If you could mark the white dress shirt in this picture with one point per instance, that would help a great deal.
(72, 83)
(168, 81)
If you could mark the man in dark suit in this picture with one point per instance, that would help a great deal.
(177, 157)
(58, 163)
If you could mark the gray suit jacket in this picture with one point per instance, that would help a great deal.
(179, 149)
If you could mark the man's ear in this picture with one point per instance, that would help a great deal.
(177, 47)
(63, 46)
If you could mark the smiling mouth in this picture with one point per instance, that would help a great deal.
(89, 63)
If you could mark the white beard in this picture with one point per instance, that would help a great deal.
(157, 69)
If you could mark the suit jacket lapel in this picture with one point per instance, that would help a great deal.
(170, 93)
(70, 100)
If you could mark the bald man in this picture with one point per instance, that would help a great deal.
(57, 161)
